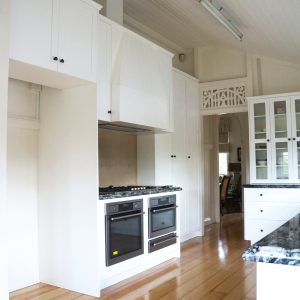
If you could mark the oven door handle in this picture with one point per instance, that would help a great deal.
(127, 216)
(163, 209)
(164, 241)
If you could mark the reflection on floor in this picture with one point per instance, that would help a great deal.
(210, 268)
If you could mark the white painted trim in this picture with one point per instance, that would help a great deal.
(93, 4)
(23, 123)
(120, 27)
(190, 236)
(226, 82)
(186, 75)
(225, 110)
(274, 96)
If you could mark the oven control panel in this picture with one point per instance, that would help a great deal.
(164, 200)
(123, 207)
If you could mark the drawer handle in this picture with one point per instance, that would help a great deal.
(261, 210)
(260, 195)
(261, 230)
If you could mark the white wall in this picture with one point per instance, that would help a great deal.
(22, 201)
(269, 76)
(4, 36)
(68, 189)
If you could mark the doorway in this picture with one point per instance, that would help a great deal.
(226, 153)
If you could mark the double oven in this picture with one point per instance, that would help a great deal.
(162, 222)
(125, 227)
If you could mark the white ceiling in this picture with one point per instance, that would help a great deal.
(271, 27)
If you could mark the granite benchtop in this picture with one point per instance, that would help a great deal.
(124, 194)
(282, 246)
(270, 185)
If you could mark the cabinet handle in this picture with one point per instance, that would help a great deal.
(174, 155)
(62, 60)
(289, 139)
(261, 210)
(260, 195)
(189, 157)
(109, 111)
(268, 140)
(294, 139)
(261, 230)
(55, 58)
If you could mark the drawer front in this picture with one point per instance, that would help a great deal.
(272, 195)
(257, 229)
(271, 211)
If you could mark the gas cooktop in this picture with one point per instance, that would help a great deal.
(113, 189)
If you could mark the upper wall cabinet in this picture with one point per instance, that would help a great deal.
(57, 35)
(135, 84)
(274, 123)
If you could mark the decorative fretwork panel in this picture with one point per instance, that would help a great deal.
(223, 94)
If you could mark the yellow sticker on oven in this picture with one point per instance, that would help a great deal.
(115, 252)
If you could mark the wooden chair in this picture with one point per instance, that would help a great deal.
(224, 192)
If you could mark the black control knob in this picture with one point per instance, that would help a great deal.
(189, 157)
(55, 58)
(172, 156)
(261, 210)
(260, 195)
(289, 139)
(294, 139)
(62, 60)
(268, 140)
(261, 230)
(109, 111)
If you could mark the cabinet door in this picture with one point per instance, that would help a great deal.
(31, 32)
(281, 141)
(178, 146)
(295, 118)
(260, 154)
(104, 60)
(192, 156)
(77, 39)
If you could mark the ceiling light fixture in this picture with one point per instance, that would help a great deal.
(217, 13)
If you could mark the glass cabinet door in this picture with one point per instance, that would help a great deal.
(260, 121)
(261, 161)
(281, 141)
(295, 118)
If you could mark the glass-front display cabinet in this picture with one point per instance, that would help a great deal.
(274, 124)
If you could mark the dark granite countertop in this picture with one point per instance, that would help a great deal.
(155, 190)
(267, 185)
(282, 246)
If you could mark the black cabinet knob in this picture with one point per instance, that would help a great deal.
(172, 156)
(261, 210)
(62, 60)
(109, 111)
(294, 139)
(289, 139)
(175, 156)
(260, 195)
(55, 58)
(268, 140)
(261, 230)
(189, 157)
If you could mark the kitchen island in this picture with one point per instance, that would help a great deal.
(278, 262)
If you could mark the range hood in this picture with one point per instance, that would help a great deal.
(129, 128)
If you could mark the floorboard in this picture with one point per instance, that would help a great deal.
(210, 268)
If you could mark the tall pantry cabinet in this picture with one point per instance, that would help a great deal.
(174, 158)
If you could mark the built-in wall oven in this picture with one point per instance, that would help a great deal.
(162, 222)
(124, 231)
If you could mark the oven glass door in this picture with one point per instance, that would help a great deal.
(125, 237)
(163, 220)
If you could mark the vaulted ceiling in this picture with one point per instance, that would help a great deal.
(270, 27)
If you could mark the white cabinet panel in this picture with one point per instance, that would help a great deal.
(104, 59)
(31, 32)
(76, 38)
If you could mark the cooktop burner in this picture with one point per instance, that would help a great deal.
(115, 189)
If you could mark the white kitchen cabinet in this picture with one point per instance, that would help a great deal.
(57, 35)
(173, 158)
(268, 208)
(135, 77)
(274, 123)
